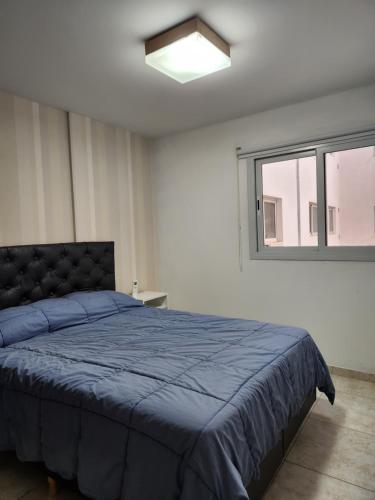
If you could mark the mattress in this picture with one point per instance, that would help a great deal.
(139, 403)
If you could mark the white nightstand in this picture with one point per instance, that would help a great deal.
(153, 299)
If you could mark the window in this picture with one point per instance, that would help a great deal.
(350, 185)
(269, 220)
(331, 220)
(314, 201)
(291, 181)
(272, 209)
(313, 218)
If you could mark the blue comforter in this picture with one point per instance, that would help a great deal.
(147, 404)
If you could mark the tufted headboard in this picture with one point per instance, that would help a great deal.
(34, 272)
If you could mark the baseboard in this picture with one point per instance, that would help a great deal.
(344, 372)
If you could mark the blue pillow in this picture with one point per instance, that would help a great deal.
(21, 323)
(24, 322)
(61, 312)
(104, 303)
(122, 300)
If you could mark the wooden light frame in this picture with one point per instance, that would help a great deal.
(183, 29)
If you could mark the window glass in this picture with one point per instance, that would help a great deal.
(332, 220)
(350, 196)
(291, 186)
(269, 220)
(313, 218)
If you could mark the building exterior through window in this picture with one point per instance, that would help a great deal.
(290, 200)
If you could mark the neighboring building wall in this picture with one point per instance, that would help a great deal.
(307, 169)
(279, 181)
(290, 181)
(333, 197)
(357, 196)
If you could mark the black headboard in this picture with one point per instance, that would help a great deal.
(34, 272)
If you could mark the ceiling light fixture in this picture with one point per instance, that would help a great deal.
(188, 51)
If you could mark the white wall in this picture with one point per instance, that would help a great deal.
(196, 221)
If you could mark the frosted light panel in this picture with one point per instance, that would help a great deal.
(188, 58)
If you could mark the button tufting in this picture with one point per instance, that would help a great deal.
(67, 269)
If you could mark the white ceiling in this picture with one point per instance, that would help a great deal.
(87, 56)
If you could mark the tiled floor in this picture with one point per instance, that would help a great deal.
(333, 457)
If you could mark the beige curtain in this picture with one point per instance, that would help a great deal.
(65, 177)
(35, 182)
(111, 189)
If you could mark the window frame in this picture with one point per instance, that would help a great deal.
(319, 148)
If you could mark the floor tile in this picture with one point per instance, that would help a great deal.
(16, 478)
(343, 372)
(297, 483)
(349, 410)
(336, 451)
(354, 386)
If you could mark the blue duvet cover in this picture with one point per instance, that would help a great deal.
(147, 404)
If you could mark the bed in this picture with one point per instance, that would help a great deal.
(138, 403)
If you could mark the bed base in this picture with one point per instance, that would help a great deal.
(270, 465)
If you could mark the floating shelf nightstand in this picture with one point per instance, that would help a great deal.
(153, 299)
